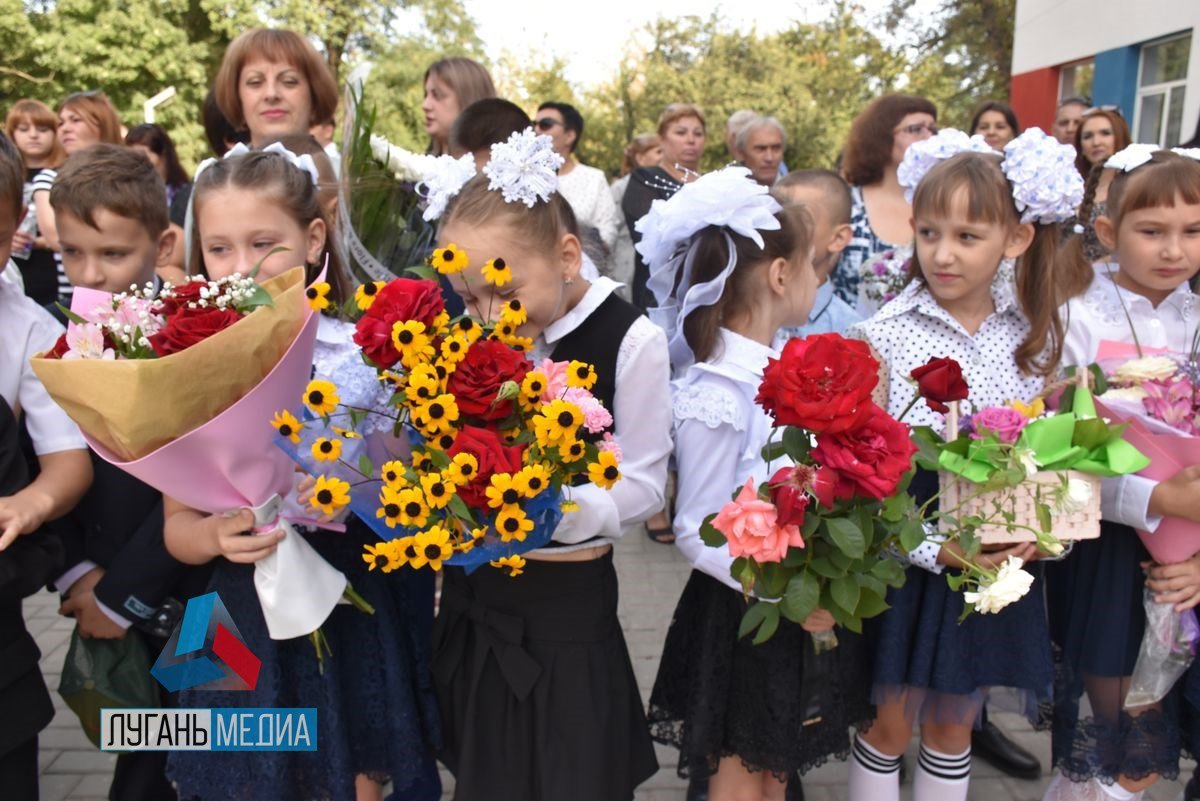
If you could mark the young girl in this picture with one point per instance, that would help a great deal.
(30, 125)
(554, 713)
(962, 303)
(377, 720)
(739, 713)
(1152, 228)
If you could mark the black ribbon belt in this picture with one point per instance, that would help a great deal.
(503, 635)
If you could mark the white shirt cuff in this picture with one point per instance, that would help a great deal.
(1126, 499)
(925, 555)
(64, 582)
(113, 616)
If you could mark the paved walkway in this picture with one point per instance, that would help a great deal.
(652, 577)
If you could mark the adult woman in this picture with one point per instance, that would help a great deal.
(644, 151)
(451, 85)
(681, 128)
(272, 83)
(31, 126)
(155, 144)
(996, 122)
(879, 213)
(1102, 132)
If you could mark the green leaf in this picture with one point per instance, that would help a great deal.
(1099, 380)
(439, 458)
(847, 536)
(912, 534)
(845, 592)
(423, 272)
(773, 450)
(769, 625)
(889, 571)
(870, 604)
(796, 442)
(896, 507)
(364, 465)
(773, 580)
(1043, 516)
(709, 535)
(823, 567)
(70, 315)
(801, 597)
(743, 570)
(458, 507)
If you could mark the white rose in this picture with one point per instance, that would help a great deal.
(1074, 497)
(1132, 394)
(1149, 368)
(1010, 585)
(1027, 461)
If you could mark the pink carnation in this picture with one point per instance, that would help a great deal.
(611, 445)
(595, 417)
(751, 526)
(1002, 421)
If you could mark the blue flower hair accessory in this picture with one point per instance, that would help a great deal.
(1046, 186)
(923, 156)
(524, 168)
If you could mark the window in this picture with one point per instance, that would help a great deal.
(1162, 81)
(1075, 80)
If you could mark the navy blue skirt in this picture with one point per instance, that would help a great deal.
(1097, 619)
(376, 708)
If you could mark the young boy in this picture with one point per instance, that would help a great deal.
(111, 211)
(827, 198)
(27, 555)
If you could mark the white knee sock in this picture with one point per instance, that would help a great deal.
(941, 777)
(1117, 792)
(874, 776)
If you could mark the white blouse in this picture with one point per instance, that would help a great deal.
(27, 329)
(1099, 314)
(586, 189)
(642, 417)
(719, 434)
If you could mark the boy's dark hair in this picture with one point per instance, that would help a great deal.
(572, 119)
(115, 178)
(12, 176)
(486, 122)
(833, 187)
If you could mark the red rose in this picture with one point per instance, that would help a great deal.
(400, 300)
(787, 493)
(868, 461)
(821, 383)
(60, 348)
(940, 381)
(477, 379)
(493, 456)
(189, 326)
(181, 296)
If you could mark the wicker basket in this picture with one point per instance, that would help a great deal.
(1021, 500)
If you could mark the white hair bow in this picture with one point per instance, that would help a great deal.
(305, 163)
(1138, 153)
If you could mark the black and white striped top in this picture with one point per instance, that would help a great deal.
(42, 182)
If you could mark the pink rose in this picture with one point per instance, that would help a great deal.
(751, 527)
(1005, 423)
(556, 379)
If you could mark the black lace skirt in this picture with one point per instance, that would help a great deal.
(1094, 598)
(537, 693)
(778, 706)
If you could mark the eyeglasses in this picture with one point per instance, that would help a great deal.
(547, 123)
(918, 128)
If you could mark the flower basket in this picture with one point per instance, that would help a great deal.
(1021, 502)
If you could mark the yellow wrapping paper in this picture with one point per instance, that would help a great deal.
(135, 406)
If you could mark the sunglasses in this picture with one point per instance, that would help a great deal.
(546, 123)
(917, 129)
(1114, 109)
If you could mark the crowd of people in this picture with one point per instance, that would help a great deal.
(946, 267)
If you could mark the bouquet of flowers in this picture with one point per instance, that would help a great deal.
(496, 439)
(882, 277)
(150, 382)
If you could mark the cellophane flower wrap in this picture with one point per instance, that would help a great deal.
(819, 533)
(494, 440)
(175, 411)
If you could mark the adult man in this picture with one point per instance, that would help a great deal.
(1066, 119)
(733, 126)
(759, 146)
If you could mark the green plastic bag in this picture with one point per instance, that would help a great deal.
(101, 674)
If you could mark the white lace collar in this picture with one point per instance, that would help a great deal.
(736, 354)
(1106, 295)
(597, 293)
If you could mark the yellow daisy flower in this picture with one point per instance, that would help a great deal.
(563, 419)
(440, 413)
(432, 548)
(477, 533)
(513, 524)
(469, 328)
(412, 343)
(422, 462)
(449, 260)
(287, 425)
(523, 344)
(329, 495)
(382, 555)
(569, 506)
(497, 273)
(414, 512)
(347, 433)
(580, 374)
(318, 296)
(327, 450)
(463, 468)
(392, 474)
(321, 397)
(532, 480)
(438, 490)
(466, 546)
(514, 563)
(440, 323)
(423, 384)
(571, 450)
(503, 491)
(454, 349)
(405, 550)
(1030, 410)
(513, 312)
(389, 506)
(364, 296)
(604, 471)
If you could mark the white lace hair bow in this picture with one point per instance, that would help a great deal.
(446, 178)
(923, 156)
(1046, 186)
(524, 168)
(1138, 154)
(305, 163)
(727, 198)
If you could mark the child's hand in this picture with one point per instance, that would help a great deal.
(304, 493)
(237, 543)
(1177, 584)
(21, 240)
(1178, 496)
(819, 621)
(21, 514)
(92, 623)
(952, 555)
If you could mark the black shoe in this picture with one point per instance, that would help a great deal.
(1192, 791)
(697, 790)
(794, 791)
(1010, 758)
